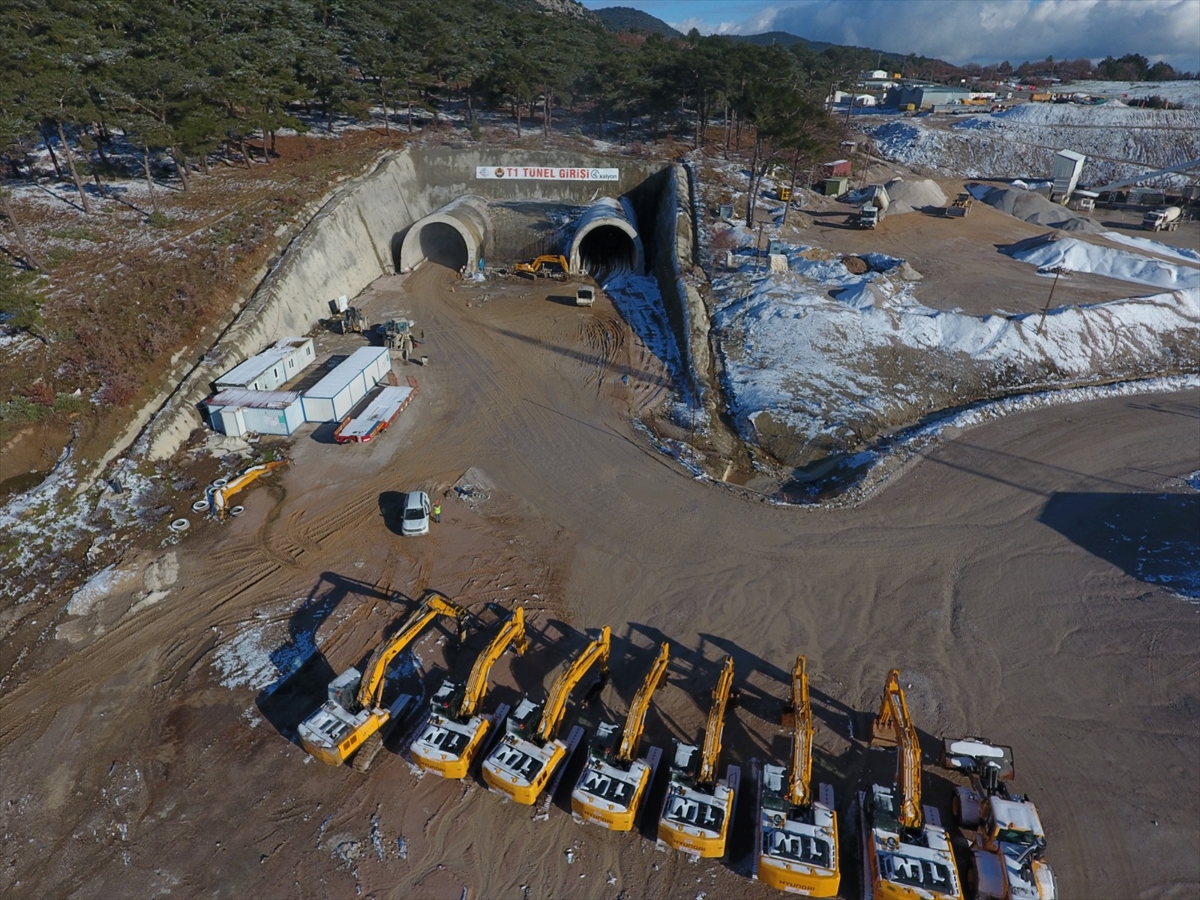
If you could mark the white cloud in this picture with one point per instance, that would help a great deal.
(963, 31)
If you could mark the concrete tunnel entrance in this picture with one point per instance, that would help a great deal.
(459, 234)
(606, 241)
(442, 244)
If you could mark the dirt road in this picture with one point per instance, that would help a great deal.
(1014, 576)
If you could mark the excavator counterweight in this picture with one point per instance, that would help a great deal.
(698, 807)
(611, 785)
(351, 721)
(797, 847)
(522, 763)
(455, 730)
(901, 850)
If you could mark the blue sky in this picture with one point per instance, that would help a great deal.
(959, 31)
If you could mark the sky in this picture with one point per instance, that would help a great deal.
(958, 31)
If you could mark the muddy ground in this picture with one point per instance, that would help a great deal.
(1015, 575)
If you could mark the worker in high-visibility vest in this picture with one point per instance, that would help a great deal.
(437, 512)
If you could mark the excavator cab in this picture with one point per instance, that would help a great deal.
(528, 755)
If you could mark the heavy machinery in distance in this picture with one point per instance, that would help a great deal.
(1008, 845)
(353, 721)
(612, 784)
(555, 265)
(697, 810)
(904, 856)
(797, 846)
(455, 729)
(521, 764)
(219, 494)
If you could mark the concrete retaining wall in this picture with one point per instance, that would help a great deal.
(669, 198)
(356, 238)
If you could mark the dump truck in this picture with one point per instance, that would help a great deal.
(455, 729)
(521, 764)
(353, 721)
(797, 846)
(905, 852)
(698, 808)
(1166, 219)
(614, 781)
(871, 213)
(1008, 845)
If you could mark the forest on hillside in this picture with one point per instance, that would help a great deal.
(184, 80)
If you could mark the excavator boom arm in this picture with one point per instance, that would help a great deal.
(511, 632)
(893, 714)
(631, 735)
(370, 692)
(716, 725)
(556, 705)
(799, 788)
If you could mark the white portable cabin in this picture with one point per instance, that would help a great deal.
(239, 411)
(1064, 172)
(275, 366)
(332, 398)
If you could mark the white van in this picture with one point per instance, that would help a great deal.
(415, 519)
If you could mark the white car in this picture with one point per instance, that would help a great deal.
(415, 519)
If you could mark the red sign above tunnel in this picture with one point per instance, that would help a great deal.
(546, 173)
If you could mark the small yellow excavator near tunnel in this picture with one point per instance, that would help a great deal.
(904, 855)
(1008, 845)
(218, 497)
(455, 730)
(698, 807)
(545, 262)
(612, 784)
(797, 833)
(352, 721)
(521, 764)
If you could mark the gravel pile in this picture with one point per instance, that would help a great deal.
(1029, 206)
(908, 196)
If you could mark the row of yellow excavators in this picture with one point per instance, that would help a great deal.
(906, 853)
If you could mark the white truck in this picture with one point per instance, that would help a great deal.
(871, 212)
(1162, 219)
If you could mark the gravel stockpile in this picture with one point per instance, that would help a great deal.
(1032, 207)
(904, 196)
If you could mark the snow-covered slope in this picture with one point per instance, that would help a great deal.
(1119, 141)
(819, 361)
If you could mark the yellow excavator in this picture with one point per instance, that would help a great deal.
(904, 855)
(352, 721)
(797, 833)
(455, 729)
(612, 784)
(698, 807)
(521, 764)
(544, 262)
(218, 497)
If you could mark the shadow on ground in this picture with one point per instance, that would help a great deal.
(1152, 537)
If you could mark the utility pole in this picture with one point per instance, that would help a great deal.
(1058, 271)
